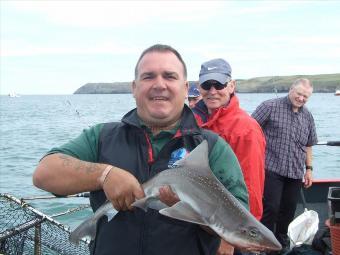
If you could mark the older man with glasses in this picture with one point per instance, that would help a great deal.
(220, 112)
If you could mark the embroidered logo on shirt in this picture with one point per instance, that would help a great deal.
(177, 155)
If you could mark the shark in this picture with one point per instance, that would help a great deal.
(203, 200)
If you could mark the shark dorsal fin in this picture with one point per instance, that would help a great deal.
(197, 159)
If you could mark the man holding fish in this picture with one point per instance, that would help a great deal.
(112, 160)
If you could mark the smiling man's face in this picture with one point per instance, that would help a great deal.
(160, 88)
(299, 95)
(214, 98)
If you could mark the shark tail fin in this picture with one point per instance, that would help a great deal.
(87, 228)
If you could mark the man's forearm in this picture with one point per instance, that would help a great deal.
(309, 156)
(64, 175)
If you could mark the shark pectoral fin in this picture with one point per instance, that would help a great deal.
(183, 211)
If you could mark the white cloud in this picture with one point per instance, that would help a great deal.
(262, 7)
(118, 13)
(308, 40)
(22, 49)
(80, 41)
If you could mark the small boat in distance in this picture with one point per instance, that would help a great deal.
(13, 94)
(337, 92)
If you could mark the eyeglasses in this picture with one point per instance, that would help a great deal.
(208, 84)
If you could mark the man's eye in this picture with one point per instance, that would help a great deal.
(147, 77)
(171, 77)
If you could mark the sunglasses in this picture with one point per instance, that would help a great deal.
(208, 84)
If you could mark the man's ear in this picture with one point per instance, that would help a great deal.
(133, 87)
(232, 86)
(186, 89)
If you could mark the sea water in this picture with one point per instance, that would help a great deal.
(31, 125)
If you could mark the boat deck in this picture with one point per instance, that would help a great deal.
(316, 198)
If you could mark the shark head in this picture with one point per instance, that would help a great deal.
(255, 237)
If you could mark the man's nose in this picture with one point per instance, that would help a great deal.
(160, 82)
(212, 90)
(301, 98)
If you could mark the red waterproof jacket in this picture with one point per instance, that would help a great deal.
(246, 138)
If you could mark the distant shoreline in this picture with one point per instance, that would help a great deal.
(117, 93)
(323, 83)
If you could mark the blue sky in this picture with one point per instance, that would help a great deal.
(55, 47)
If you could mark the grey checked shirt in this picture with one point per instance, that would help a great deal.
(287, 134)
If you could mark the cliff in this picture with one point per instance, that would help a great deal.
(327, 83)
(105, 88)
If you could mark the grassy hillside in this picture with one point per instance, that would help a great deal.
(105, 88)
(321, 82)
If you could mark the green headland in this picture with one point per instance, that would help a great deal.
(324, 83)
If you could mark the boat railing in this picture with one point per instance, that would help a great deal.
(25, 230)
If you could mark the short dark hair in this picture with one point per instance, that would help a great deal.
(161, 48)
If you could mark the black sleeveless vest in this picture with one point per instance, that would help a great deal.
(126, 145)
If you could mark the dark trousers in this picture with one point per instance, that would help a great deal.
(279, 203)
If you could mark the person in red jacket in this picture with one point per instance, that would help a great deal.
(219, 111)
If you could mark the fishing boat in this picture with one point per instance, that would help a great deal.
(323, 197)
(25, 230)
(337, 92)
(13, 94)
(316, 198)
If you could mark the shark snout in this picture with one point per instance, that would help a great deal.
(263, 247)
(275, 246)
(268, 244)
